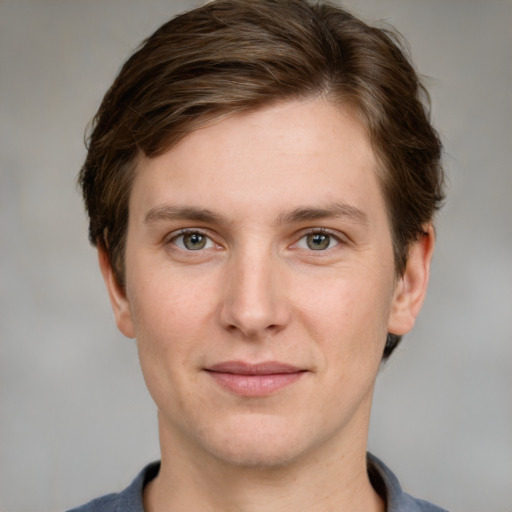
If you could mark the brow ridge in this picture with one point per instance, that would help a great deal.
(172, 212)
(334, 210)
(169, 212)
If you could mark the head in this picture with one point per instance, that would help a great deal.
(233, 56)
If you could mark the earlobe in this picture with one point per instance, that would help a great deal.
(412, 286)
(118, 299)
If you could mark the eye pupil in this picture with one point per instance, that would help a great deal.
(194, 241)
(318, 241)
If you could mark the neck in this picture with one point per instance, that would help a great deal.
(329, 479)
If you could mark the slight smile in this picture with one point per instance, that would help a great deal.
(254, 380)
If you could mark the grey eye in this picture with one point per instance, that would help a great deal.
(318, 241)
(193, 241)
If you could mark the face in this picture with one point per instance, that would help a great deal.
(260, 285)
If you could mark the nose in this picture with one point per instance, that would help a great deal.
(254, 303)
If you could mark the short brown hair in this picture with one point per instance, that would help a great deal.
(237, 55)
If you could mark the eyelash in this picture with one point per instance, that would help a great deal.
(184, 232)
(209, 243)
(320, 231)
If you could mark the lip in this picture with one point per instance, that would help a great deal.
(254, 380)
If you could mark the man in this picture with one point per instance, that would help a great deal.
(261, 182)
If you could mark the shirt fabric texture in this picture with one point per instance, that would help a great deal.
(382, 478)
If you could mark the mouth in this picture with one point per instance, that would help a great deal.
(254, 380)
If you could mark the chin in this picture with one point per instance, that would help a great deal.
(264, 442)
(257, 456)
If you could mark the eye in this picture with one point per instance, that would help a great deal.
(317, 241)
(192, 241)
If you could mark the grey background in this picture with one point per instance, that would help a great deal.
(75, 418)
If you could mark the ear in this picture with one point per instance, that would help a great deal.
(118, 299)
(411, 287)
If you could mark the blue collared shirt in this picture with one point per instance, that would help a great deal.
(382, 478)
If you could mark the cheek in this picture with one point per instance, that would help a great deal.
(163, 293)
(349, 313)
(351, 298)
(169, 312)
(166, 327)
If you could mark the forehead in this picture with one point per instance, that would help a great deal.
(296, 153)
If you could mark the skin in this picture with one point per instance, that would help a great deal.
(252, 188)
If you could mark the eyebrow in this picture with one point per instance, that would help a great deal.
(334, 210)
(171, 212)
(168, 213)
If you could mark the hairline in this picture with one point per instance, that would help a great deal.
(206, 120)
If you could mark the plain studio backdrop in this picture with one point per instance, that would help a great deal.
(75, 418)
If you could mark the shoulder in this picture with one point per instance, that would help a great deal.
(108, 503)
(129, 500)
(416, 505)
(387, 485)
